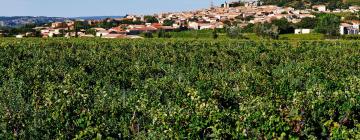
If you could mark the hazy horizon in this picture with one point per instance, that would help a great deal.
(83, 8)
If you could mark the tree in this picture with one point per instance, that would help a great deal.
(148, 35)
(283, 25)
(91, 31)
(267, 30)
(352, 16)
(130, 22)
(62, 33)
(168, 22)
(227, 22)
(248, 28)
(183, 27)
(234, 32)
(82, 25)
(163, 34)
(308, 23)
(328, 24)
(151, 19)
(297, 5)
(108, 23)
(215, 34)
(76, 29)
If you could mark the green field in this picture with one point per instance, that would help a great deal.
(179, 89)
(313, 36)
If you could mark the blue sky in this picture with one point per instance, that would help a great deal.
(74, 8)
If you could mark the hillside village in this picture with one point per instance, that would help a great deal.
(215, 17)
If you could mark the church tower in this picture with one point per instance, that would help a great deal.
(226, 5)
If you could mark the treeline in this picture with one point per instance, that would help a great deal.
(327, 24)
(301, 4)
(28, 28)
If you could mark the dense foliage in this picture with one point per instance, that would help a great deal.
(194, 89)
(331, 4)
(328, 24)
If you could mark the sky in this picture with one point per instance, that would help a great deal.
(76, 8)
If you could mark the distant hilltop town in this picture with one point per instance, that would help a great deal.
(236, 13)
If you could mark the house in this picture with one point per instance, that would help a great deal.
(354, 8)
(19, 36)
(98, 29)
(349, 29)
(251, 3)
(58, 25)
(219, 25)
(301, 16)
(355, 23)
(136, 26)
(87, 36)
(73, 34)
(27, 34)
(303, 31)
(116, 30)
(135, 31)
(45, 31)
(166, 28)
(134, 37)
(102, 33)
(194, 25)
(113, 36)
(70, 24)
(55, 32)
(320, 8)
(205, 26)
(176, 25)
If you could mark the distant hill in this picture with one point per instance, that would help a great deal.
(97, 17)
(18, 21)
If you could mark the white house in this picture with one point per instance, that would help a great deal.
(19, 36)
(349, 29)
(320, 8)
(45, 31)
(206, 26)
(99, 29)
(176, 25)
(250, 3)
(303, 31)
(354, 8)
(102, 33)
(194, 25)
(136, 26)
(113, 36)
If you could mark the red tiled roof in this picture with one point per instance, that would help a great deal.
(165, 27)
(116, 29)
(144, 29)
(156, 24)
(114, 36)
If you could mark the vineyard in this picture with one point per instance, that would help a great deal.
(179, 89)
